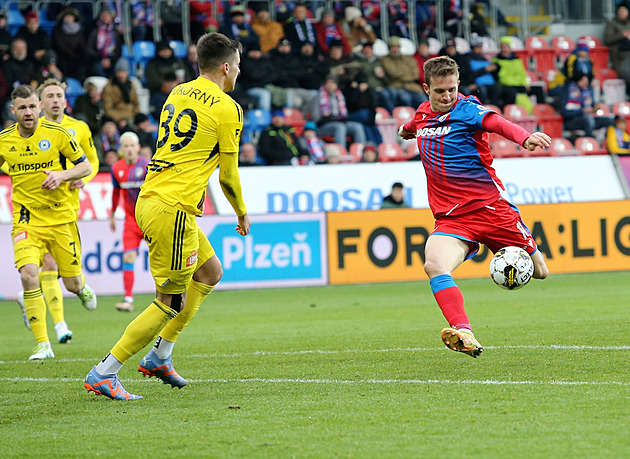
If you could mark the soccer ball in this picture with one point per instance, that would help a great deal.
(511, 268)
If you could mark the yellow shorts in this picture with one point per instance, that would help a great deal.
(30, 243)
(177, 246)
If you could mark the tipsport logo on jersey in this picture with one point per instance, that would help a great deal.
(281, 250)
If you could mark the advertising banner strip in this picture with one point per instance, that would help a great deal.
(287, 189)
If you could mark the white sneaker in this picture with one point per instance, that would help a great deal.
(19, 299)
(41, 352)
(87, 298)
(64, 335)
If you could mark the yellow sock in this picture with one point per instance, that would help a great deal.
(52, 294)
(197, 292)
(36, 312)
(142, 330)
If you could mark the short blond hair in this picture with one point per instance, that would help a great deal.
(440, 66)
(50, 82)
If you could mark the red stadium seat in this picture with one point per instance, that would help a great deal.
(494, 108)
(344, 156)
(412, 149)
(388, 152)
(386, 125)
(504, 148)
(356, 151)
(622, 109)
(403, 113)
(602, 110)
(543, 56)
(589, 146)
(519, 115)
(294, 118)
(562, 46)
(549, 121)
(561, 146)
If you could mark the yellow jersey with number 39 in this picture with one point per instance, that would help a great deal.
(198, 122)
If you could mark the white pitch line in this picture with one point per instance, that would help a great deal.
(486, 382)
(355, 351)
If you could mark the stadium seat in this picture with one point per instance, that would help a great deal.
(380, 48)
(15, 20)
(622, 109)
(489, 49)
(494, 108)
(256, 121)
(613, 91)
(461, 45)
(602, 110)
(434, 46)
(388, 152)
(142, 52)
(562, 46)
(386, 125)
(294, 118)
(356, 151)
(519, 115)
(561, 147)
(99, 81)
(407, 47)
(412, 149)
(599, 53)
(344, 156)
(589, 146)
(403, 113)
(542, 56)
(180, 50)
(549, 121)
(504, 148)
(73, 90)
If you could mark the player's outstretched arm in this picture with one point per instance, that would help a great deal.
(230, 181)
(537, 139)
(402, 132)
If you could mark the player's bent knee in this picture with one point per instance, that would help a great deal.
(73, 284)
(29, 275)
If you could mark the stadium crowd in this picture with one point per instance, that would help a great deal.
(318, 85)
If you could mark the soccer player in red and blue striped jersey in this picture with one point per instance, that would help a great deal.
(464, 190)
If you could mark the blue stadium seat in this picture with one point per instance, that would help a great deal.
(15, 20)
(256, 121)
(73, 90)
(142, 52)
(180, 50)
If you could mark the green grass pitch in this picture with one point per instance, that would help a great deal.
(347, 371)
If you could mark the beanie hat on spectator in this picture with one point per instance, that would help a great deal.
(394, 41)
(310, 126)
(582, 45)
(507, 40)
(475, 40)
(277, 113)
(140, 118)
(122, 65)
(352, 13)
(31, 16)
(162, 44)
(237, 9)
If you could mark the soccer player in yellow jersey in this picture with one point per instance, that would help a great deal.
(52, 96)
(44, 217)
(200, 127)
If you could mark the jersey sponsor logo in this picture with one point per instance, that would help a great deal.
(192, 259)
(20, 167)
(438, 131)
(442, 118)
(44, 144)
(128, 185)
(20, 237)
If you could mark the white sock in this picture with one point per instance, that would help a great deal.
(129, 299)
(110, 365)
(163, 348)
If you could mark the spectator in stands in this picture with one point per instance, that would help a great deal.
(578, 63)
(309, 141)
(90, 108)
(104, 45)
(332, 154)
(278, 144)
(37, 40)
(299, 29)
(171, 16)
(269, 31)
(285, 89)
(162, 64)
(108, 139)
(578, 108)
(313, 68)
(342, 66)
(142, 20)
(18, 68)
(237, 28)
(68, 42)
(401, 77)
(509, 71)
(356, 29)
(257, 71)
(120, 96)
(361, 103)
(617, 38)
(422, 55)
(108, 159)
(330, 112)
(5, 35)
(156, 102)
(201, 20)
(617, 138)
(146, 131)
(395, 200)
(398, 17)
(485, 86)
(372, 69)
(191, 64)
(248, 156)
(467, 84)
(328, 30)
(369, 153)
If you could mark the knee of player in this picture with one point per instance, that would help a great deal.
(29, 277)
(73, 284)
